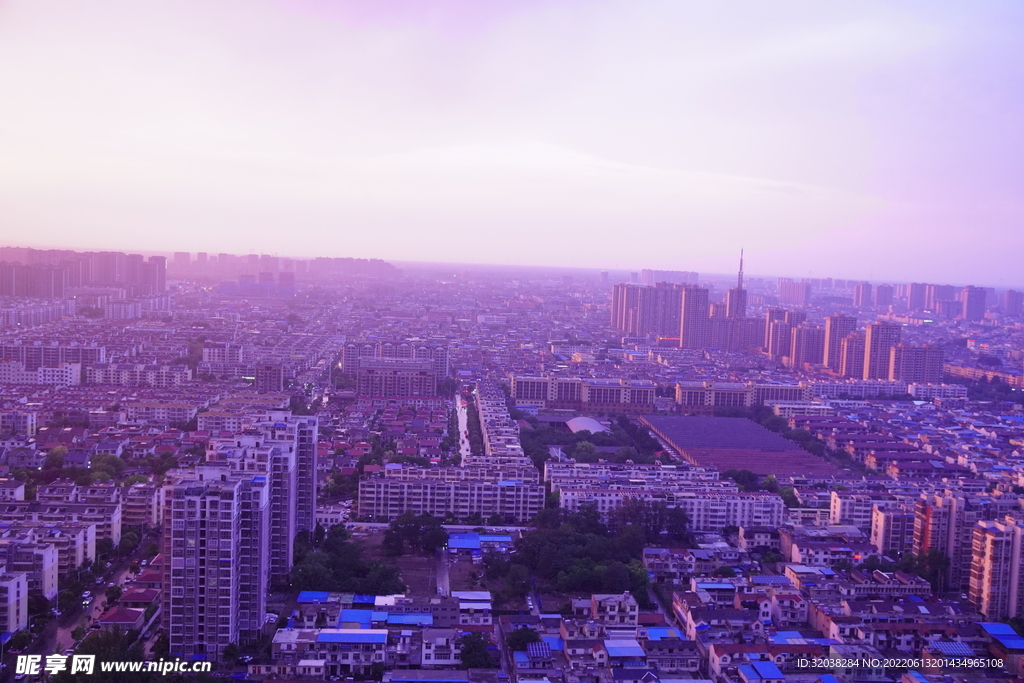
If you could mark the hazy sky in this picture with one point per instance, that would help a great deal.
(881, 140)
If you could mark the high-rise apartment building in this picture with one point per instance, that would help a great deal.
(647, 311)
(216, 570)
(269, 377)
(851, 360)
(879, 339)
(935, 295)
(780, 339)
(862, 295)
(892, 529)
(658, 312)
(625, 308)
(883, 296)
(794, 293)
(154, 275)
(257, 452)
(736, 303)
(973, 300)
(995, 578)
(837, 328)
(1013, 303)
(916, 364)
(182, 261)
(693, 319)
(107, 268)
(772, 315)
(916, 296)
(945, 522)
(808, 346)
(301, 433)
(795, 318)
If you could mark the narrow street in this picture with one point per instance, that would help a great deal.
(443, 579)
(57, 636)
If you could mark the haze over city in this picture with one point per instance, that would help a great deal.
(544, 341)
(591, 134)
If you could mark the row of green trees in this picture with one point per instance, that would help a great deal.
(476, 435)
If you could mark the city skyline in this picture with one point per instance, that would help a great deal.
(541, 133)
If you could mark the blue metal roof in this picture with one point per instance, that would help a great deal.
(624, 648)
(554, 642)
(770, 579)
(660, 633)
(761, 670)
(313, 596)
(357, 616)
(412, 619)
(467, 541)
(953, 649)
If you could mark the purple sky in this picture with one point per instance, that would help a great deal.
(880, 140)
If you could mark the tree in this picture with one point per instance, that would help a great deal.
(67, 599)
(38, 604)
(338, 565)
(434, 539)
(517, 580)
(521, 637)
(745, 479)
(789, 497)
(113, 593)
(129, 541)
(474, 652)
(393, 544)
(230, 653)
(55, 458)
(585, 451)
(422, 532)
(677, 524)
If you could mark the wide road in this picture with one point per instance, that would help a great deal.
(461, 408)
